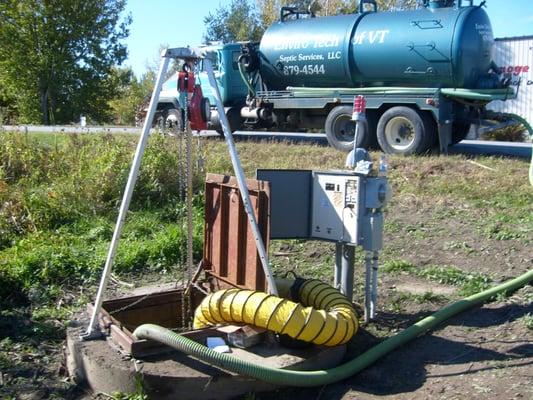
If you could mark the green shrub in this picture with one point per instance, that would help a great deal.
(76, 254)
(44, 186)
(513, 133)
(59, 197)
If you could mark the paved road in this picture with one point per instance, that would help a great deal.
(71, 129)
(477, 147)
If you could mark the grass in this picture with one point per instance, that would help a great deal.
(400, 299)
(527, 320)
(513, 133)
(502, 197)
(468, 283)
(59, 205)
(60, 193)
(398, 266)
(138, 395)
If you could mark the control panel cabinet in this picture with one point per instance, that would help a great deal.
(336, 207)
(344, 207)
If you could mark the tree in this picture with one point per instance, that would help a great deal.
(236, 22)
(242, 20)
(56, 56)
(268, 10)
(131, 94)
(395, 5)
(6, 105)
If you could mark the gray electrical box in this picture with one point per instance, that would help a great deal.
(344, 207)
(335, 209)
(290, 202)
(339, 206)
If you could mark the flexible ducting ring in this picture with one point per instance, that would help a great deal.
(295, 288)
(258, 307)
(305, 319)
(273, 313)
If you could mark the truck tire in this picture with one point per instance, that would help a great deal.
(159, 120)
(459, 131)
(340, 130)
(405, 131)
(173, 121)
(235, 120)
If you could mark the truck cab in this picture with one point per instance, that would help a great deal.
(233, 91)
(225, 59)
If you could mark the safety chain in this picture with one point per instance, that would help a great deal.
(128, 306)
(184, 103)
(181, 168)
(182, 130)
(200, 160)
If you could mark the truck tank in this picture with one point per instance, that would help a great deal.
(435, 46)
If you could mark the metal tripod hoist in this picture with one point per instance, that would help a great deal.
(191, 56)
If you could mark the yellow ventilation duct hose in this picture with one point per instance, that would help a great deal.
(322, 315)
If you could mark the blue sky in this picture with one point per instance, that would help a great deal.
(180, 23)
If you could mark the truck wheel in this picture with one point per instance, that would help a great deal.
(405, 131)
(459, 131)
(173, 121)
(235, 120)
(340, 130)
(160, 117)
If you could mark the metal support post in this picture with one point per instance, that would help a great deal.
(368, 272)
(374, 298)
(239, 174)
(124, 206)
(338, 265)
(348, 256)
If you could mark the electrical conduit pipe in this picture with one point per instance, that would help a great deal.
(318, 378)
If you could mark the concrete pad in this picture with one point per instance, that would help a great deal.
(102, 365)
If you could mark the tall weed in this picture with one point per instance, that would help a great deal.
(59, 201)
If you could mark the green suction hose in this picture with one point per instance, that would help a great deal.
(318, 378)
(244, 79)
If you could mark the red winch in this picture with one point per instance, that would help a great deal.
(198, 106)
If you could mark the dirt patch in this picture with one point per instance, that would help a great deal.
(486, 353)
(31, 359)
(450, 234)
(421, 287)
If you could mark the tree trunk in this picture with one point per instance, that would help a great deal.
(52, 106)
(43, 98)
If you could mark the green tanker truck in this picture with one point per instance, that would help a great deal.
(427, 75)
